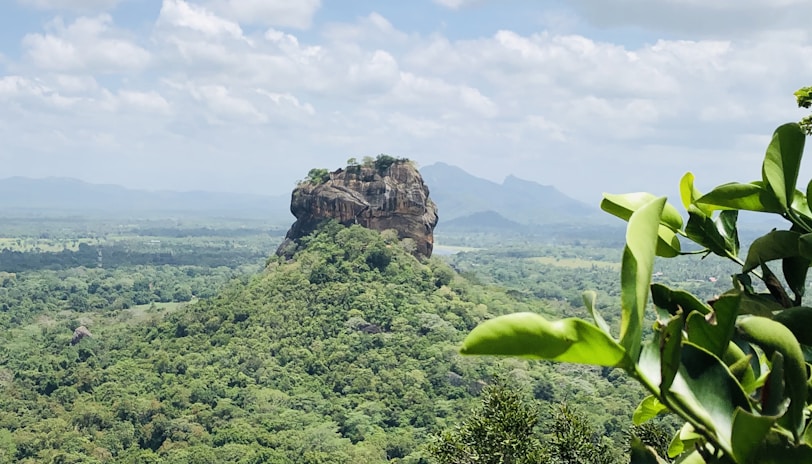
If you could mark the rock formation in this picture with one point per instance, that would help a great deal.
(80, 333)
(380, 196)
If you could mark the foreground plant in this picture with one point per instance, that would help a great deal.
(735, 368)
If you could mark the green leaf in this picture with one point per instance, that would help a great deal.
(648, 409)
(805, 246)
(714, 331)
(771, 337)
(703, 389)
(530, 335)
(795, 270)
(590, 298)
(736, 196)
(740, 365)
(778, 244)
(808, 191)
(706, 232)
(623, 205)
(799, 321)
(668, 245)
(642, 454)
(773, 401)
(775, 287)
(748, 434)
(670, 344)
(808, 434)
(691, 458)
(689, 194)
(675, 300)
(683, 440)
(635, 274)
(726, 226)
(801, 206)
(775, 450)
(759, 304)
(783, 161)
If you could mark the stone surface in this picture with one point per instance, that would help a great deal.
(80, 333)
(395, 199)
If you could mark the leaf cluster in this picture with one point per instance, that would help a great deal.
(506, 428)
(734, 368)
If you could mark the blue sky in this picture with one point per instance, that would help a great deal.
(248, 95)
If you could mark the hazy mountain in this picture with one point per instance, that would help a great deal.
(72, 196)
(459, 194)
(513, 203)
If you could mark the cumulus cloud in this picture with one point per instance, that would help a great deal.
(179, 13)
(150, 101)
(203, 87)
(88, 43)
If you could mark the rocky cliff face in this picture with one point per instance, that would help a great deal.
(395, 198)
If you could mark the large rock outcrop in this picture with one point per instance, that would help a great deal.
(393, 197)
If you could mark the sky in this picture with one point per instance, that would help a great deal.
(248, 95)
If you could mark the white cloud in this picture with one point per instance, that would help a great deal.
(75, 84)
(151, 101)
(15, 89)
(287, 101)
(224, 106)
(87, 44)
(201, 89)
(377, 73)
(76, 95)
(281, 13)
(371, 30)
(182, 14)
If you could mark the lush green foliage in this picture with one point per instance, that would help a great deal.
(160, 353)
(506, 428)
(734, 368)
(804, 97)
(502, 430)
(317, 176)
(347, 353)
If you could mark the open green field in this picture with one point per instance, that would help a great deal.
(142, 312)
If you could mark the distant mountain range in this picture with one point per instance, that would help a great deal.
(65, 196)
(464, 201)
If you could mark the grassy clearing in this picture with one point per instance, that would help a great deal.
(575, 263)
(143, 312)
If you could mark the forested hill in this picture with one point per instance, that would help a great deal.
(459, 194)
(347, 353)
(72, 196)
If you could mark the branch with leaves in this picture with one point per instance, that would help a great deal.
(734, 369)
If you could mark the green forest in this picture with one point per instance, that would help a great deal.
(346, 353)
